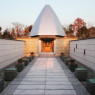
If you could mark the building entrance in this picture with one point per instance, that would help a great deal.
(47, 45)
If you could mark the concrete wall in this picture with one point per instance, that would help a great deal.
(31, 45)
(79, 46)
(62, 45)
(10, 51)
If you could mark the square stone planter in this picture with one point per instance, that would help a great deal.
(1, 85)
(81, 74)
(67, 61)
(20, 60)
(19, 66)
(61, 56)
(72, 66)
(64, 57)
(10, 74)
(30, 58)
(26, 61)
(91, 86)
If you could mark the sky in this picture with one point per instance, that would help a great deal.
(26, 11)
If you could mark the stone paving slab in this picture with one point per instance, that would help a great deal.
(44, 76)
(59, 87)
(31, 87)
(58, 83)
(29, 92)
(60, 92)
(57, 80)
(28, 83)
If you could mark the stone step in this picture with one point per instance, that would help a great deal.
(47, 54)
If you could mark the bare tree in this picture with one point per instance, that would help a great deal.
(27, 31)
(19, 29)
(0, 32)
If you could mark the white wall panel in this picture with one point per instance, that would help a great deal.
(88, 58)
(10, 51)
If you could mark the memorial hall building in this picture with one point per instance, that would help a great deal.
(47, 35)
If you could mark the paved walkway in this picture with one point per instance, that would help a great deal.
(45, 76)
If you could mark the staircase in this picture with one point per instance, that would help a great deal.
(47, 54)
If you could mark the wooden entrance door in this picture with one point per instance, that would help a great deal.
(47, 46)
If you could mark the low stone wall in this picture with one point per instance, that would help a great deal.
(10, 51)
(62, 45)
(84, 52)
(31, 45)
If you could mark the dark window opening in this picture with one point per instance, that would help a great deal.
(84, 52)
(76, 46)
(74, 49)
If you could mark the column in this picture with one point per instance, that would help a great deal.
(54, 46)
(39, 46)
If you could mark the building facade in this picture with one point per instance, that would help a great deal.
(47, 35)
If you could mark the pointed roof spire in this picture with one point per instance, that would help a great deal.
(47, 23)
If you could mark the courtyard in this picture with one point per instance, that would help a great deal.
(53, 55)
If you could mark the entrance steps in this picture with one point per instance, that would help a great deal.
(47, 54)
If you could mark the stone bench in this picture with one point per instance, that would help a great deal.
(10, 74)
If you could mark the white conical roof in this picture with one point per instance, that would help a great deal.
(47, 23)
